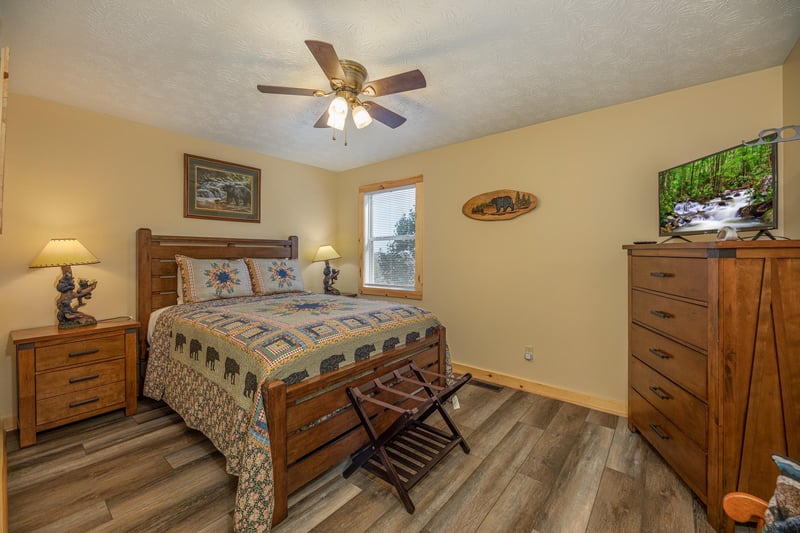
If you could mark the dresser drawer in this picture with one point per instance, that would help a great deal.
(682, 320)
(76, 403)
(77, 378)
(685, 411)
(78, 352)
(679, 450)
(672, 275)
(682, 365)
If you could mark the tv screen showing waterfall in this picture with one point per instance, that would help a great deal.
(737, 187)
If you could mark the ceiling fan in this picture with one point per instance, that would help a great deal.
(348, 80)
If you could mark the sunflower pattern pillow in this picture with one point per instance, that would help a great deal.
(271, 276)
(209, 279)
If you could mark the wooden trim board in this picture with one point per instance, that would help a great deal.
(578, 398)
(3, 483)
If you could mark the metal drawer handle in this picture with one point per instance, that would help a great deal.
(84, 402)
(84, 352)
(658, 353)
(660, 393)
(661, 314)
(657, 429)
(662, 274)
(84, 378)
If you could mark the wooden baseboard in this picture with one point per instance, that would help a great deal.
(3, 483)
(605, 405)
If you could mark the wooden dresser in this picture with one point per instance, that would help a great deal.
(714, 361)
(66, 375)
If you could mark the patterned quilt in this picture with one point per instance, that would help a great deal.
(208, 361)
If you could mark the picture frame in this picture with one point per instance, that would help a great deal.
(221, 190)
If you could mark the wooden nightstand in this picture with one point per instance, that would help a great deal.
(66, 375)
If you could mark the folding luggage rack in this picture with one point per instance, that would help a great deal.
(408, 448)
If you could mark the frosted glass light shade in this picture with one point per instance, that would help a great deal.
(336, 121)
(361, 117)
(63, 252)
(325, 253)
(337, 113)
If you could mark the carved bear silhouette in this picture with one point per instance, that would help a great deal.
(413, 336)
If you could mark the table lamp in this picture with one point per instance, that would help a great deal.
(326, 253)
(64, 253)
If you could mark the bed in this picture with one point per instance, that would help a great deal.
(293, 430)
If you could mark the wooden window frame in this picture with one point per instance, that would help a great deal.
(415, 294)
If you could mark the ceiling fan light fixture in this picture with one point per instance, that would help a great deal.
(337, 113)
(336, 121)
(361, 117)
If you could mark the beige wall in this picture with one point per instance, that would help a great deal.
(556, 278)
(790, 151)
(78, 174)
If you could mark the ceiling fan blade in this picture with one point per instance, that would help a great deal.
(272, 89)
(323, 120)
(407, 81)
(381, 114)
(327, 59)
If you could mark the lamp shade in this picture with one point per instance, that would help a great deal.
(63, 252)
(326, 253)
(337, 113)
(361, 117)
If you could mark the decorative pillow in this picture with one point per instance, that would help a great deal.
(783, 512)
(275, 275)
(209, 279)
(179, 281)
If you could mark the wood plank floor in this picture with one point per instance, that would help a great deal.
(536, 464)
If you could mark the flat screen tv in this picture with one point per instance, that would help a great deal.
(736, 187)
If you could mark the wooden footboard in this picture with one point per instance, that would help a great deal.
(312, 426)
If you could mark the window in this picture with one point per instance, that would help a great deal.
(391, 238)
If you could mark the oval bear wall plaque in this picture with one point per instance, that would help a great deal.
(499, 205)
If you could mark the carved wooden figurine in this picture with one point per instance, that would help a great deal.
(68, 314)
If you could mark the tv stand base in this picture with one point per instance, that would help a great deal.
(763, 233)
(681, 237)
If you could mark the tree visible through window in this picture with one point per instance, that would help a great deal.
(391, 237)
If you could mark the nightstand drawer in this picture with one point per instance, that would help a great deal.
(76, 403)
(78, 352)
(73, 379)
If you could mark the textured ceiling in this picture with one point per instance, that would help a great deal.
(192, 66)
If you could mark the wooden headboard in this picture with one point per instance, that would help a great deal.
(156, 269)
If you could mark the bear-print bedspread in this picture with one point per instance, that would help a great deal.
(208, 360)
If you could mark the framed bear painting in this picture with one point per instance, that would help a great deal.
(221, 190)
